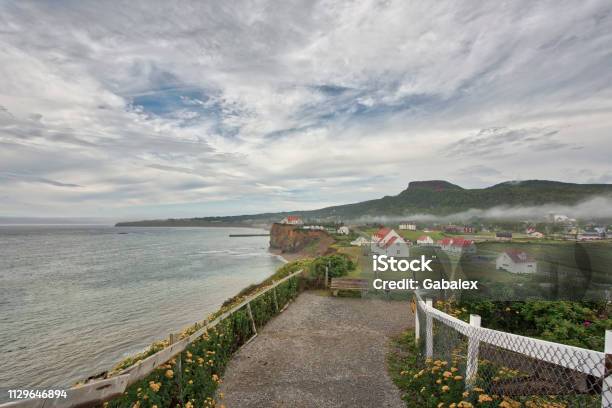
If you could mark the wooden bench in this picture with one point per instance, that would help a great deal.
(338, 284)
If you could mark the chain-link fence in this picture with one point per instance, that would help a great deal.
(508, 370)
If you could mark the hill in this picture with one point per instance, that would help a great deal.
(435, 197)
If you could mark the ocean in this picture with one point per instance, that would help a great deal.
(75, 300)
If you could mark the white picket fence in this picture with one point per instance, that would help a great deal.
(593, 363)
(98, 391)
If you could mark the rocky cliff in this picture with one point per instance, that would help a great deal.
(291, 239)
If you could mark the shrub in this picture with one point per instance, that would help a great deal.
(580, 324)
(192, 378)
(441, 383)
(339, 265)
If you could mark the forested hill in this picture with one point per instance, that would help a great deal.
(422, 197)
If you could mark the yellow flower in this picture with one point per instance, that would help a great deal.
(445, 388)
(458, 378)
(454, 369)
(169, 374)
(438, 381)
(190, 381)
(154, 386)
(478, 389)
(440, 405)
(466, 394)
(484, 398)
(188, 404)
(447, 374)
(465, 404)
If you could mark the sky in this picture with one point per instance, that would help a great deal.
(156, 109)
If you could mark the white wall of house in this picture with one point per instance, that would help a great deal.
(424, 242)
(409, 227)
(506, 263)
(344, 230)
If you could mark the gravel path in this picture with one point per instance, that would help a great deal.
(320, 352)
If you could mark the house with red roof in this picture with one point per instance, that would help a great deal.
(516, 261)
(457, 245)
(292, 220)
(387, 241)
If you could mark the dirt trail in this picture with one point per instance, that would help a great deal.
(321, 352)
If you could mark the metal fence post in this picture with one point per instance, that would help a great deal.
(606, 388)
(472, 355)
(428, 330)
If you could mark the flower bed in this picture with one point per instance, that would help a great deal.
(441, 383)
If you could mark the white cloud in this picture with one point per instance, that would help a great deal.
(206, 108)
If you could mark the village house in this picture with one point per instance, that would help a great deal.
(503, 236)
(314, 227)
(590, 236)
(361, 241)
(536, 234)
(292, 220)
(516, 261)
(425, 240)
(457, 245)
(452, 229)
(387, 241)
(468, 229)
(343, 230)
(408, 225)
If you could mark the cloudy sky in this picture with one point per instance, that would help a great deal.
(155, 109)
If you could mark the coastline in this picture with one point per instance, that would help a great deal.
(289, 257)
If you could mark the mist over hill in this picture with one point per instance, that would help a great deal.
(443, 200)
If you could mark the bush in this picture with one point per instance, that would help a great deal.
(339, 265)
(580, 324)
(191, 379)
(441, 383)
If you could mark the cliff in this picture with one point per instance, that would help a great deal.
(291, 239)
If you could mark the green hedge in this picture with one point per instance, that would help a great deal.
(580, 324)
(191, 379)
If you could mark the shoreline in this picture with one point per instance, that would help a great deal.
(288, 257)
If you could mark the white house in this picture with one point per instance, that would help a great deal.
(408, 225)
(343, 230)
(425, 240)
(388, 242)
(536, 234)
(458, 245)
(516, 261)
(361, 241)
(314, 227)
(292, 220)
